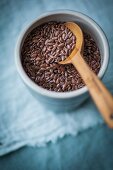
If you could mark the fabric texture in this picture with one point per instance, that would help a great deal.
(92, 148)
(23, 121)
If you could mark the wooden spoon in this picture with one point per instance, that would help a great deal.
(100, 95)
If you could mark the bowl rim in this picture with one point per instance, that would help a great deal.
(52, 94)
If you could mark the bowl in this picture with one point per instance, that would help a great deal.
(61, 101)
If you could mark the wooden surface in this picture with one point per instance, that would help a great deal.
(100, 95)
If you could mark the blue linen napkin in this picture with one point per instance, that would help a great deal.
(23, 121)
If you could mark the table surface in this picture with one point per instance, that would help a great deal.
(90, 150)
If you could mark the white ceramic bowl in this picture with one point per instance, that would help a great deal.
(63, 100)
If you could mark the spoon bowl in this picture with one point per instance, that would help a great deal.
(79, 40)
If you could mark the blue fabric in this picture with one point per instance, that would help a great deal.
(92, 150)
(14, 132)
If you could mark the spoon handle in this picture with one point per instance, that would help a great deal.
(101, 96)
